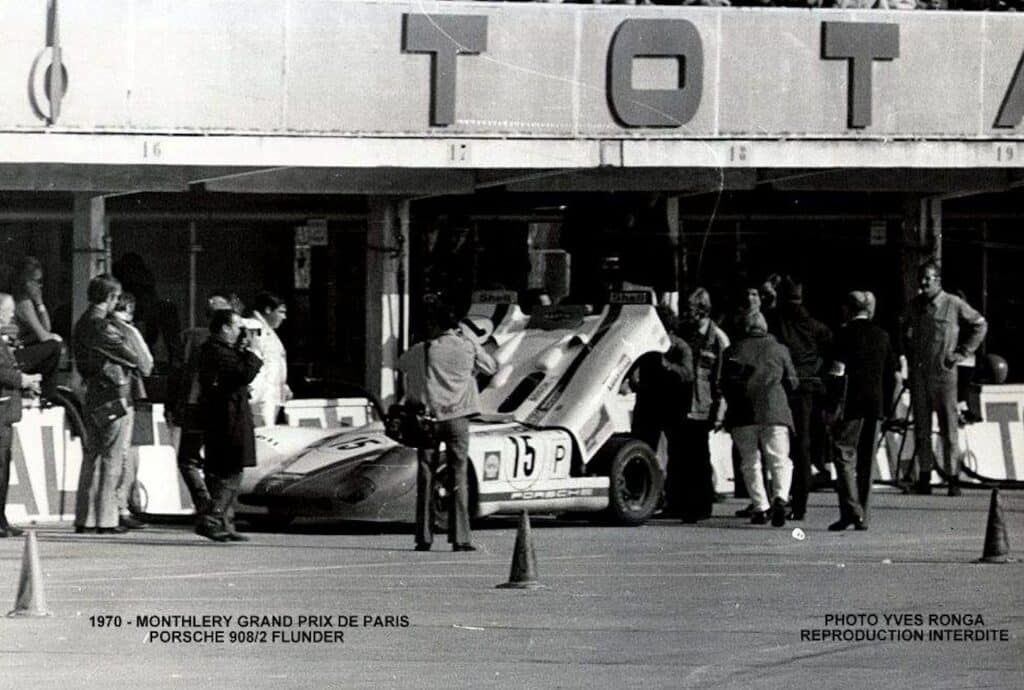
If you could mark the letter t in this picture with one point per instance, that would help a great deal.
(445, 36)
(861, 43)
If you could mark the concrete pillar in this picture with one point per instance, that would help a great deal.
(90, 247)
(921, 238)
(387, 293)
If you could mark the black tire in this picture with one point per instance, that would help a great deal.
(635, 480)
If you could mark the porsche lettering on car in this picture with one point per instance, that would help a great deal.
(554, 435)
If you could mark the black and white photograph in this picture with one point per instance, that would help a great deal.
(511, 344)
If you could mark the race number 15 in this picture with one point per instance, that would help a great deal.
(525, 456)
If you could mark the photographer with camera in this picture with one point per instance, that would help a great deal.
(226, 366)
(440, 374)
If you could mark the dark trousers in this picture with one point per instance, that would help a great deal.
(41, 358)
(846, 439)
(695, 488)
(739, 488)
(454, 433)
(6, 437)
(223, 492)
(866, 447)
(190, 464)
(804, 403)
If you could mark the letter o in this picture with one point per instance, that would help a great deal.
(655, 38)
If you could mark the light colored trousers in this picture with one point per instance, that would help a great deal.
(102, 466)
(773, 441)
(129, 468)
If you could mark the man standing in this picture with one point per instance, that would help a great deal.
(863, 356)
(708, 343)
(226, 366)
(269, 390)
(12, 382)
(183, 409)
(941, 330)
(103, 360)
(441, 375)
(807, 340)
(756, 375)
(664, 387)
(124, 313)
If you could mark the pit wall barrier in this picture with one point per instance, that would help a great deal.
(992, 449)
(45, 458)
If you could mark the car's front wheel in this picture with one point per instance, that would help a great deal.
(635, 479)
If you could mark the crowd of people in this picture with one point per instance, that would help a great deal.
(225, 377)
(792, 393)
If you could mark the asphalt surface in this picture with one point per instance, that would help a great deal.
(722, 605)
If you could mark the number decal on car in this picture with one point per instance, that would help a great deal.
(525, 456)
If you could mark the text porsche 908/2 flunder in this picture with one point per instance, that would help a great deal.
(553, 438)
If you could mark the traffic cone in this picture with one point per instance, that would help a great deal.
(997, 547)
(30, 600)
(524, 560)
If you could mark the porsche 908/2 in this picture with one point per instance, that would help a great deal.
(554, 437)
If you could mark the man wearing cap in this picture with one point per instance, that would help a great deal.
(863, 360)
(941, 330)
(756, 375)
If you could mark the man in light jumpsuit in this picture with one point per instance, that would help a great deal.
(942, 330)
(269, 391)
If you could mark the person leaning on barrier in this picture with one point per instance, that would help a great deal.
(862, 361)
(441, 375)
(183, 408)
(124, 312)
(226, 367)
(39, 348)
(941, 330)
(104, 361)
(12, 382)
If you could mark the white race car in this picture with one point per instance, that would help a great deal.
(554, 437)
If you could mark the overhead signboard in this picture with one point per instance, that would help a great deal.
(469, 73)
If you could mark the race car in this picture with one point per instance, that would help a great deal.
(554, 436)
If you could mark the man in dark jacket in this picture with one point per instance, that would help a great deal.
(808, 341)
(226, 366)
(12, 382)
(664, 388)
(863, 359)
(104, 361)
(756, 375)
(183, 408)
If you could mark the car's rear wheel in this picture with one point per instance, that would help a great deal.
(635, 480)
